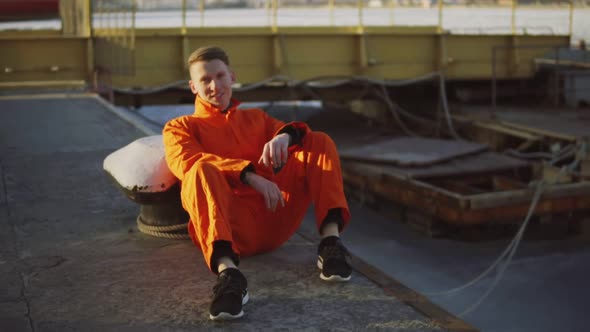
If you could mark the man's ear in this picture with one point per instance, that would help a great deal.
(192, 86)
(233, 76)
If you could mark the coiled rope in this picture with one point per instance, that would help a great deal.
(174, 232)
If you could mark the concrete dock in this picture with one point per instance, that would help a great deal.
(71, 258)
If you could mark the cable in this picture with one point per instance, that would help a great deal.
(407, 114)
(315, 83)
(513, 246)
(518, 237)
(515, 242)
(391, 106)
(262, 83)
(528, 155)
(312, 82)
(146, 91)
(566, 152)
(504, 253)
(443, 97)
(398, 83)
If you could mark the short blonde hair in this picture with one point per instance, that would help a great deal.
(208, 53)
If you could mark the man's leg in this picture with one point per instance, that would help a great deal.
(230, 292)
(207, 196)
(333, 257)
(330, 229)
(225, 263)
(313, 172)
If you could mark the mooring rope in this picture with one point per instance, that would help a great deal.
(508, 253)
(166, 232)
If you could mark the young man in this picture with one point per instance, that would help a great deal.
(247, 181)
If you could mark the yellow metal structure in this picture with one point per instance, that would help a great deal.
(146, 57)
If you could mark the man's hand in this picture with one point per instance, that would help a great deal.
(271, 192)
(276, 151)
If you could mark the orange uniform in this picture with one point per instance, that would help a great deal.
(208, 151)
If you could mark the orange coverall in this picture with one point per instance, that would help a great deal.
(207, 152)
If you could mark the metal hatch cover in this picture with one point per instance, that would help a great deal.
(412, 151)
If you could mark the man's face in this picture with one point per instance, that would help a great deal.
(212, 81)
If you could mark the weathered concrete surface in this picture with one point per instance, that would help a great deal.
(530, 296)
(13, 304)
(71, 259)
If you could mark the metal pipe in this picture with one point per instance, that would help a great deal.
(125, 25)
(571, 21)
(331, 8)
(557, 74)
(440, 15)
(133, 11)
(106, 15)
(100, 10)
(117, 18)
(183, 29)
(391, 7)
(184, 36)
(360, 8)
(275, 9)
(513, 24)
(202, 12)
(87, 19)
(493, 81)
(267, 5)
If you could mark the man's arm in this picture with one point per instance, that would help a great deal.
(270, 191)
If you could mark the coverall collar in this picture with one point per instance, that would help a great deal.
(204, 109)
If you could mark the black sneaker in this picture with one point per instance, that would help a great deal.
(230, 293)
(333, 260)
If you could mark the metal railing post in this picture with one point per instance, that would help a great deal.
(185, 50)
(183, 29)
(360, 11)
(440, 15)
(331, 8)
(493, 80)
(513, 17)
(133, 12)
(202, 12)
(391, 7)
(571, 19)
(557, 74)
(275, 9)
(267, 5)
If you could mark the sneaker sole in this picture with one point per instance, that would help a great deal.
(227, 315)
(331, 278)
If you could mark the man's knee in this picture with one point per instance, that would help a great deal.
(319, 136)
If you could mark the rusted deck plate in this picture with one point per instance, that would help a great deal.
(567, 124)
(412, 151)
(472, 164)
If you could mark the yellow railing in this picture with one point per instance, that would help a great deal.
(457, 16)
(140, 55)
